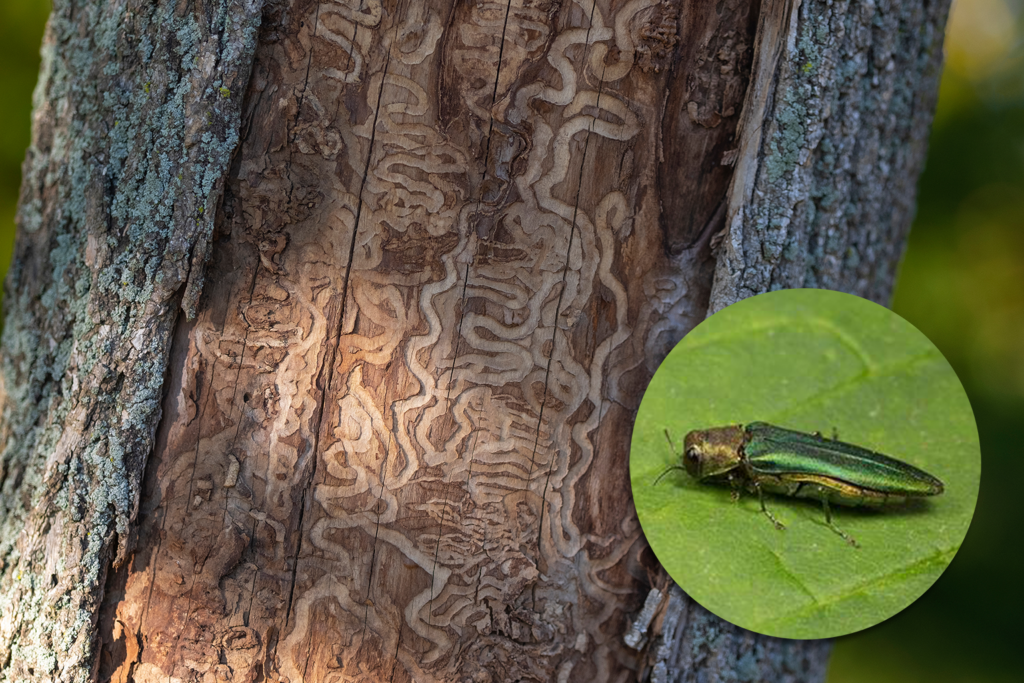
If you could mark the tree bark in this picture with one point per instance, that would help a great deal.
(445, 246)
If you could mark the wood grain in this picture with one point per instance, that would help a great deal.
(439, 271)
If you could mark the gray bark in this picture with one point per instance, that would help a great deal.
(834, 136)
(803, 178)
(136, 116)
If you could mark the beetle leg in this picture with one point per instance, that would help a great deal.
(735, 488)
(831, 525)
(760, 496)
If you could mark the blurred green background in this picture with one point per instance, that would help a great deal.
(21, 32)
(961, 283)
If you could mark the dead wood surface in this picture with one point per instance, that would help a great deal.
(386, 432)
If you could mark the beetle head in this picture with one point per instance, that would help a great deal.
(711, 452)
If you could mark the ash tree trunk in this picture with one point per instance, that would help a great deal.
(328, 321)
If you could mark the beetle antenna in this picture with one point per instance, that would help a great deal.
(670, 444)
(667, 470)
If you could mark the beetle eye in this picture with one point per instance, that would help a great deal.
(692, 454)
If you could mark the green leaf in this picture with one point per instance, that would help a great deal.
(810, 360)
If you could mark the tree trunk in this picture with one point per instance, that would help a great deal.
(445, 246)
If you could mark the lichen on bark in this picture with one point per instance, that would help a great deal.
(832, 141)
(131, 140)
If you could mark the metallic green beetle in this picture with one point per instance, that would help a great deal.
(761, 457)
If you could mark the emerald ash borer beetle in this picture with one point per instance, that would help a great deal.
(761, 457)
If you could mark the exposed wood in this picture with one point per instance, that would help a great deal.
(424, 343)
(454, 243)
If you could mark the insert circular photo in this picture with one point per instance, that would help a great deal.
(805, 464)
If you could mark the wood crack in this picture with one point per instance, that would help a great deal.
(558, 308)
(462, 314)
(330, 361)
